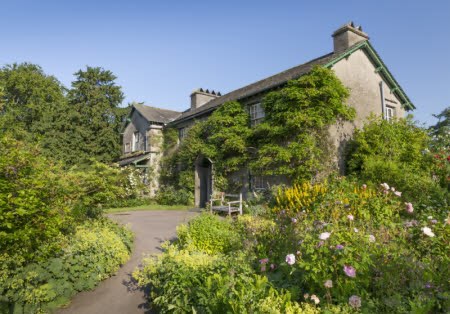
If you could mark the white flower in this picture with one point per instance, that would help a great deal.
(356, 230)
(430, 217)
(290, 259)
(328, 284)
(315, 299)
(385, 186)
(324, 236)
(427, 231)
(371, 238)
(350, 217)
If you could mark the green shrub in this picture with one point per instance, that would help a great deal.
(398, 152)
(208, 233)
(33, 208)
(93, 253)
(170, 196)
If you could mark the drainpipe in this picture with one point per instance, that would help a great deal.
(383, 105)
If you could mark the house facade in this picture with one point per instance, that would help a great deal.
(373, 89)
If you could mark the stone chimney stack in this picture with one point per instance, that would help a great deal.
(200, 97)
(348, 35)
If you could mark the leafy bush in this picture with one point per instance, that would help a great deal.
(96, 250)
(208, 233)
(33, 208)
(398, 152)
(170, 196)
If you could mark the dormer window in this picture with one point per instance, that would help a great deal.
(256, 114)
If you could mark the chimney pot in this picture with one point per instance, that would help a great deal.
(200, 97)
(346, 36)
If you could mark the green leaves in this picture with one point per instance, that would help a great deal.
(292, 140)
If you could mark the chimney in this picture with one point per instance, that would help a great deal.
(348, 35)
(200, 97)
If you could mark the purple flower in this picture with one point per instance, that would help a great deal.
(290, 259)
(320, 243)
(264, 261)
(263, 267)
(433, 221)
(350, 271)
(339, 247)
(294, 220)
(354, 301)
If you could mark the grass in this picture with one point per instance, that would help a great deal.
(148, 207)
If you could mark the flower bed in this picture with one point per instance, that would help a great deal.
(338, 247)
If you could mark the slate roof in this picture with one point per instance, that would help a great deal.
(259, 86)
(153, 114)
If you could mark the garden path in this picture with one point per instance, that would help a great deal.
(119, 294)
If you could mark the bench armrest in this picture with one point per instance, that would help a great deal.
(234, 202)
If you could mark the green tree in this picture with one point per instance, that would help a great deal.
(29, 100)
(95, 98)
(293, 139)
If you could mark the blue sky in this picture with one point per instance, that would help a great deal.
(162, 50)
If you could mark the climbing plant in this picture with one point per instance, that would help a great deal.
(293, 138)
(223, 138)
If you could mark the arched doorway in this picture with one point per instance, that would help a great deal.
(203, 180)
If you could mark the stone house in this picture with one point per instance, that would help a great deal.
(373, 89)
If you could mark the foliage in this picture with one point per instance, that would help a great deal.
(222, 138)
(293, 138)
(338, 247)
(39, 201)
(397, 152)
(93, 253)
(96, 186)
(29, 100)
(206, 233)
(95, 99)
(32, 205)
(168, 195)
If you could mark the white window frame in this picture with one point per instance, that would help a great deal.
(389, 113)
(127, 148)
(257, 114)
(182, 133)
(136, 140)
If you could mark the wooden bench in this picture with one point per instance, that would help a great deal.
(228, 203)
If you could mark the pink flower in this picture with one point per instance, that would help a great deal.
(328, 284)
(290, 259)
(350, 217)
(350, 271)
(264, 261)
(315, 299)
(398, 193)
(273, 266)
(354, 301)
(294, 220)
(409, 208)
(324, 236)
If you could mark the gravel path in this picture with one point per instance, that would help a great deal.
(119, 294)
